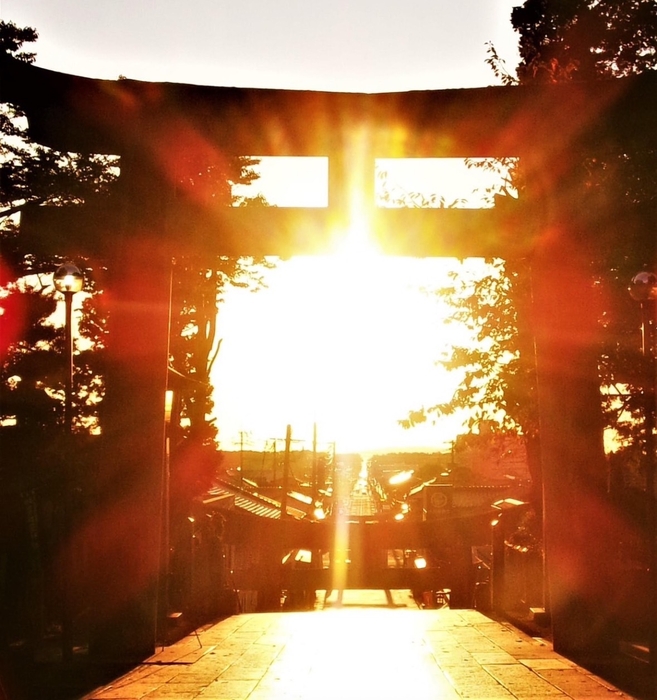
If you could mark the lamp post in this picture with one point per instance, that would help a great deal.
(162, 604)
(68, 280)
(643, 288)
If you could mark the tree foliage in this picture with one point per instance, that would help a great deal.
(493, 387)
(585, 39)
(198, 291)
(32, 370)
(564, 41)
(32, 377)
(34, 174)
(12, 39)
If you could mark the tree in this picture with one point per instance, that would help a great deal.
(563, 41)
(586, 40)
(34, 174)
(197, 294)
(198, 284)
(32, 377)
(499, 375)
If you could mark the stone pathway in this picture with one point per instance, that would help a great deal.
(361, 650)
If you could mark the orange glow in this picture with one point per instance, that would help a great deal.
(320, 664)
(168, 405)
(12, 314)
(400, 478)
(340, 553)
(345, 341)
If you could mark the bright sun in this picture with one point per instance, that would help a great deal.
(348, 343)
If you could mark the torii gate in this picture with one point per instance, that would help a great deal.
(151, 124)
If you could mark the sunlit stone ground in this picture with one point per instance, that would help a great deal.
(366, 648)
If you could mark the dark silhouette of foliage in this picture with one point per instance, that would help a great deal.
(563, 41)
(197, 296)
(12, 39)
(31, 173)
(35, 175)
(585, 40)
(32, 371)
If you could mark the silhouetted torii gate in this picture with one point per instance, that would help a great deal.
(154, 126)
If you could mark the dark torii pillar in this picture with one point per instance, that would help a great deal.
(576, 513)
(580, 523)
(129, 519)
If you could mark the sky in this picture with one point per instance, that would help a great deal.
(349, 345)
(343, 45)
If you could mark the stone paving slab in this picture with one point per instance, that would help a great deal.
(359, 653)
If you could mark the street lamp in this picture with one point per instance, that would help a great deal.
(643, 288)
(68, 280)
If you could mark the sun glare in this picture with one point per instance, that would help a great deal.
(347, 342)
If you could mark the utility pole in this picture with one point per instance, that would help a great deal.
(334, 470)
(315, 480)
(241, 457)
(286, 471)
